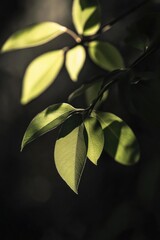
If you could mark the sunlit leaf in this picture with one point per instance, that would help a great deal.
(86, 16)
(40, 74)
(70, 152)
(95, 139)
(75, 59)
(105, 55)
(33, 36)
(46, 121)
(120, 141)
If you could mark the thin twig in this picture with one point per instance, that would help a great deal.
(114, 76)
(144, 56)
(121, 16)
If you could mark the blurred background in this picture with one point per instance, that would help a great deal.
(114, 202)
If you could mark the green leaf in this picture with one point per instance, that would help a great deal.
(95, 139)
(92, 93)
(120, 141)
(46, 121)
(105, 55)
(86, 89)
(33, 36)
(86, 16)
(75, 59)
(40, 74)
(70, 152)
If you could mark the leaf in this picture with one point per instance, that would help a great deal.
(105, 55)
(92, 93)
(46, 121)
(86, 16)
(33, 36)
(120, 141)
(75, 59)
(86, 88)
(40, 74)
(70, 152)
(95, 139)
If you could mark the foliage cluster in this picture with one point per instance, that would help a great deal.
(84, 133)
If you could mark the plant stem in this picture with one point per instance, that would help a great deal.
(144, 56)
(73, 35)
(114, 76)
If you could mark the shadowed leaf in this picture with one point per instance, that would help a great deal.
(105, 55)
(95, 139)
(120, 141)
(92, 93)
(87, 89)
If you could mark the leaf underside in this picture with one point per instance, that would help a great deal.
(70, 152)
(105, 55)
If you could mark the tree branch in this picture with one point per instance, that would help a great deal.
(121, 16)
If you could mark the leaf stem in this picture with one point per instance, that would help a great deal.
(75, 36)
(114, 76)
(144, 56)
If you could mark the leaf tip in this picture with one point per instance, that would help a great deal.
(22, 145)
(74, 79)
(6, 47)
(24, 100)
(21, 149)
(3, 48)
(75, 191)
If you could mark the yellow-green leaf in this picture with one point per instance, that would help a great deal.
(70, 152)
(40, 74)
(46, 121)
(95, 139)
(120, 141)
(105, 55)
(86, 16)
(33, 36)
(75, 59)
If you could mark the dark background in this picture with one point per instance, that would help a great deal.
(114, 202)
